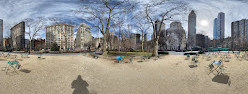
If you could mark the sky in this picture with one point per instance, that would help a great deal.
(14, 11)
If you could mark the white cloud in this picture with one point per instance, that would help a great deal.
(14, 11)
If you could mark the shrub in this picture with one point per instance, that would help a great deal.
(55, 47)
(163, 52)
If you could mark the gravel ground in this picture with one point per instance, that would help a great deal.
(78, 74)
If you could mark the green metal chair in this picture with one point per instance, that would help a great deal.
(131, 59)
(188, 57)
(195, 59)
(39, 57)
(146, 57)
(12, 65)
(219, 69)
(95, 56)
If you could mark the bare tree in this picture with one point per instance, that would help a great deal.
(118, 33)
(104, 11)
(34, 26)
(143, 29)
(175, 8)
(8, 33)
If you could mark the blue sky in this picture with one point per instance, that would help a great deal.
(14, 11)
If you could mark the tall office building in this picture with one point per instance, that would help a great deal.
(157, 26)
(239, 33)
(191, 30)
(1, 33)
(242, 32)
(62, 34)
(221, 26)
(18, 36)
(215, 29)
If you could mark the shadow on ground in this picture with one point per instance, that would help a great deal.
(3, 60)
(25, 70)
(222, 78)
(193, 66)
(80, 86)
(41, 58)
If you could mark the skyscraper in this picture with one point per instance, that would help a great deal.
(157, 26)
(1, 33)
(215, 29)
(18, 36)
(221, 26)
(239, 33)
(191, 30)
(242, 32)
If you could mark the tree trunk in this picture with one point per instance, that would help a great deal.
(105, 52)
(142, 42)
(30, 46)
(155, 47)
(66, 43)
(119, 45)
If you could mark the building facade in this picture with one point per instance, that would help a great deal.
(239, 33)
(175, 37)
(113, 42)
(83, 37)
(62, 34)
(38, 44)
(7, 44)
(1, 34)
(215, 29)
(157, 26)
(18, 36)
(221, 26)
(191, 30)
(135, 41)
(200, 41)
(235, 34)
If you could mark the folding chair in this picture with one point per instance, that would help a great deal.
(208, 58)
(156, 58)
(120, 59)
(12, 65)
(24, 56)
(218, 69)
(146, 57)
(2, 54)
(188, 57)
(195, 59)
(95, 56)
(7, 55)
(131, 59)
